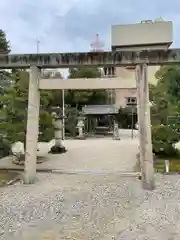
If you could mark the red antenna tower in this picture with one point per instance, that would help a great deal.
(97, 45)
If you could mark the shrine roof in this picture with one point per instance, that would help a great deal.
(100, 110)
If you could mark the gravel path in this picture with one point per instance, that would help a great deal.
(96, 154)
(91, 207)
(91, 154)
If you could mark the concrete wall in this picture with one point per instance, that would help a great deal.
(142, 34)
(122, 94)
(128, 76)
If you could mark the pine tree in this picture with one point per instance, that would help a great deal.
(14, 103)
(4, 44)
(5, 76)
(14, 113)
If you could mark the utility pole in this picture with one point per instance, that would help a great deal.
(132, 121)
(63, 112)
(63, 109)
(37, 46)
(132, 104)
(144, 122)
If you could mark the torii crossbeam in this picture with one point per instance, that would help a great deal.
(93, 59)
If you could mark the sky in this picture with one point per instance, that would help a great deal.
(71, 25)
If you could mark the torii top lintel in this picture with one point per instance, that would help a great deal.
(96, 59)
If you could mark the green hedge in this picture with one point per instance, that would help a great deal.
(163, 139)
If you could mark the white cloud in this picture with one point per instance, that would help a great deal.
(71, 25)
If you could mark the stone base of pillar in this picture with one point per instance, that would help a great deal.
(20, 159)
(149, 186)
(81, 137)
(116, 138)
(27, 180)
(58, 149)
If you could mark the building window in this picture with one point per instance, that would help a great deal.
(109, 71)
(131, 101)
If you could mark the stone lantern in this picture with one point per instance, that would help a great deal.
(116, 135)
(80, 127)
(58, 132)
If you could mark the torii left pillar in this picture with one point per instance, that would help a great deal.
(32, 126)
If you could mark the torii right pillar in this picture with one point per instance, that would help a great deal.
(144, 120)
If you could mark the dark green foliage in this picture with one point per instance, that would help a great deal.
(84, 72)
(85, 97)
(46, 130)
(124, 117)
(169, 82)
(71, 121)
(174, 122)
(163, 140)
(5, 81)
(14, 115)
(165, 95)
(5, 147)
(160, 109)
(5, 77)
(166, 102)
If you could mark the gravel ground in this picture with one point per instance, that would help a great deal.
(91, 207)
(91, 154)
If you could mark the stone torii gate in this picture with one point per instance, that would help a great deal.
(134, 56)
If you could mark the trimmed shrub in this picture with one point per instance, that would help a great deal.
(163, 139)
